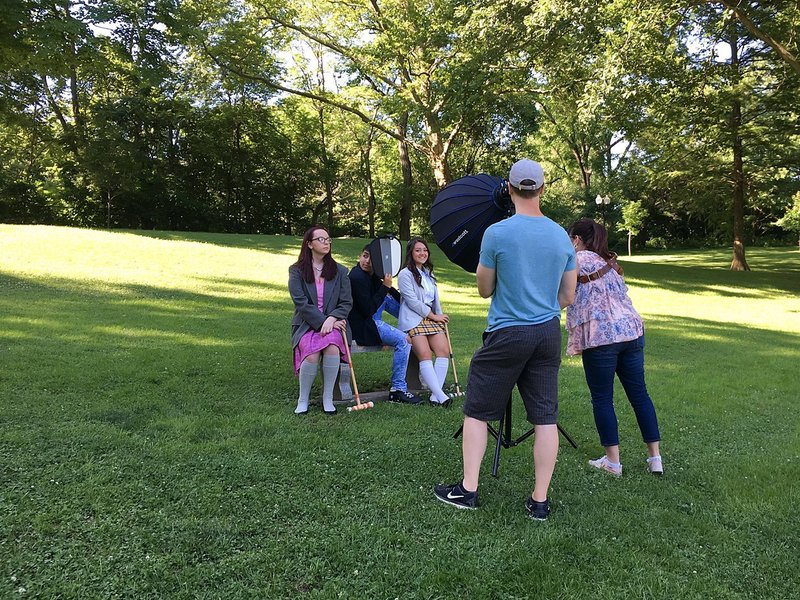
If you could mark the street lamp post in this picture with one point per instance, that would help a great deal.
(602, 202)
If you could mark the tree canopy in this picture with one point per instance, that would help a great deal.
(267, 115)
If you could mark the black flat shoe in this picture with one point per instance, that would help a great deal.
(330, 412)
(444, 404)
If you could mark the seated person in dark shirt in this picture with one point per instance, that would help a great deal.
(371, 296)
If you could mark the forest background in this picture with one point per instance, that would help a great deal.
(679, 117)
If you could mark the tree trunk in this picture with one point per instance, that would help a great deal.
(78, 121)
(581, 153)
(329, 202)
(441, 169)
(68, 130)
(436, 152)
(756, 31)
(109, 197)
(236, 167)
(371, 204)
(739, 262)
(315, 215)
(326, 169)
(405, 168)
(438, 159)
(630, 237)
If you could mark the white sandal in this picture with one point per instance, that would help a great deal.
(655, 466)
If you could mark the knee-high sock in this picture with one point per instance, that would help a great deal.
(344, 382)
(440, 366)
(428, 376)
(307, 375)
(330, 370)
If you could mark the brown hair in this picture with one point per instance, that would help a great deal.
(412, 266)
(595, 237)
(527, 194)
(304, 261)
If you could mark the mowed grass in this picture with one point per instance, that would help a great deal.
(148, 447)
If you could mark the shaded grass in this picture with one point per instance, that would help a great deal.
(147, 445)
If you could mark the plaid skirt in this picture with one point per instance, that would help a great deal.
(427, 327)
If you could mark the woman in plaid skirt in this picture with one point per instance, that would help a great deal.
(422, 318)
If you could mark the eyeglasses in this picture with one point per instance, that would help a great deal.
(321, 240)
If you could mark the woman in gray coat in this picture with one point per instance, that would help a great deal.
(320, 290)
(422, 318)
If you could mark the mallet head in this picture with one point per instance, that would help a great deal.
(362, 406)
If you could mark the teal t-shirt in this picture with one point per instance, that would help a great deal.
(529, 256)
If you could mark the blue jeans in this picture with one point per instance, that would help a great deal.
(626, 359)
(391, 336)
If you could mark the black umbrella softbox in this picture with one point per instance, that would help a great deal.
(461, 213)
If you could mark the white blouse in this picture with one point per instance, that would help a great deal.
(429, 286)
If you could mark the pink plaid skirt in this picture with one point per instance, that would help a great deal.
(313, 341)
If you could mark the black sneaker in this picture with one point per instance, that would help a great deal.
(537, 510)
(404, 397)
(456, 495)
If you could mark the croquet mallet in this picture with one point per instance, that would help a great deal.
(359, 405)
(452, 362)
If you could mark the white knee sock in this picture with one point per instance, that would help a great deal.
(428, 376)
(307, 375)
(330, 369)
(440, 366)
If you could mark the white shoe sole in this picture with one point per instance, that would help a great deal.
(451, 503)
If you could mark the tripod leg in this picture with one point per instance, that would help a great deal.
(497, 446)
(507, 423)
(567, 436)
(503, 436)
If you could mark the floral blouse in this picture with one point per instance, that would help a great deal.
(602, 313)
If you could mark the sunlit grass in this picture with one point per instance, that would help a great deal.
(148, 448)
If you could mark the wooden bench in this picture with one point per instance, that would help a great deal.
(412, 376)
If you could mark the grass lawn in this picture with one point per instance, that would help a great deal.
(148, 447)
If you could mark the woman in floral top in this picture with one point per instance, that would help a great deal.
(608, 333)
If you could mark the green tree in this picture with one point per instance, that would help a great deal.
(791, 220)
(785, 13)
(633, 216)
(438, 62)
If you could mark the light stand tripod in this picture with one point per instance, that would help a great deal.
(503, 436)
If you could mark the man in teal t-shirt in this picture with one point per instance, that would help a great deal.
(527, 266)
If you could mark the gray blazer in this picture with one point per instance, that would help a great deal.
(412, 307)
(338, 302)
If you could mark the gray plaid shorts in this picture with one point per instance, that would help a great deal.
(527, 356)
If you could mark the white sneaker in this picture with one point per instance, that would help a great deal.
(604, 464)
(655, 466)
